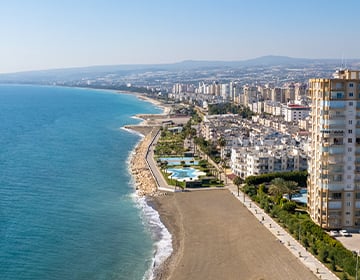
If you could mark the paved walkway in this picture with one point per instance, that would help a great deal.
(154, 169)
(321, 271)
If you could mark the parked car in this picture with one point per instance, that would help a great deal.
(334, 233)
(344, 232)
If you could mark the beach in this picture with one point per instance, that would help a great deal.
(148, 128)
(215, 237)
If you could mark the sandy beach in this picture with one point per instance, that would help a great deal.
(215, 237)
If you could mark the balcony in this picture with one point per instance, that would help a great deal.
(336, 169)
(333, 150)
(336, 116)
(335, 161)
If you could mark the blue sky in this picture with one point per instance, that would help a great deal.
(44, 34)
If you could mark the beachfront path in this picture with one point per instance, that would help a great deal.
(218, 238)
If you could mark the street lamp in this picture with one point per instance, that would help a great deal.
(357, 265)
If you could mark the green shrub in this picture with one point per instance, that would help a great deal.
(289, 206)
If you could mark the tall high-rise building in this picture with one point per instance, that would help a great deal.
(334, 162)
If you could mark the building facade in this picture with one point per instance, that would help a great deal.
(334, 167)
(257, 160)
(294, 112)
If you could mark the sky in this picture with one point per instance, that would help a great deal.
(46, 34)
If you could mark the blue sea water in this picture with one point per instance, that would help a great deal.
(67, 203)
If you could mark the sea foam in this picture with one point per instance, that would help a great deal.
(162, 248)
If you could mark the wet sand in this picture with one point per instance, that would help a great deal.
(215, 237)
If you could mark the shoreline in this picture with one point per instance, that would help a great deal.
(214, 223)
(146, 189)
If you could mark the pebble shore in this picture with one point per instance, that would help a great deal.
(145, 183)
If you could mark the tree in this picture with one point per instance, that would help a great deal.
(222, 144)
(323, 254)
(291, 187)
(289, 206)
(277, 188)
(238, 181)
(163, 165)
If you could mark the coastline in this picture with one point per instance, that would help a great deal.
(213, 222)
(148, 128)
(146, 188)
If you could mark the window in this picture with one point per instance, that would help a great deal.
(351, 103)
(336, 195)
(350, 121)
(349, 140)
(349, 149)
(338, 178)
(351, 94)
(350, 131)
(357, 196)
(351, 85)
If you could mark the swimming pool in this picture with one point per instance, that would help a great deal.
(177, 160)
(300, 197)
(185, 174)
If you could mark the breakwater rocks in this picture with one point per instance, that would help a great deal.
(145, 183)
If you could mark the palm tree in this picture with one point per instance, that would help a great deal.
(292, 188)
(222, 144)
(163, 165)
(277, 188)
(223, 165)
(238, 181)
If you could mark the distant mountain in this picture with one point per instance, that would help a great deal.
(71, 74)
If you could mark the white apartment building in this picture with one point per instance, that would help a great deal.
(334, 167)
(256, 160)
(294, 112)
(272, 108)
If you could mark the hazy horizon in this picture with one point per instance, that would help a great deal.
(40, 35)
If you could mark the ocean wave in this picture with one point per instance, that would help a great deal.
(132, 131)
(136, 118)
(159, 233)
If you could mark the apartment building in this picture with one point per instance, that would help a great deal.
(295, 112)
(334, 167)
(257, 160)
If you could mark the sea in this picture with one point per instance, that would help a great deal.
(68, 207)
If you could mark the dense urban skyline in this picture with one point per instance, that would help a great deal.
(45, 35)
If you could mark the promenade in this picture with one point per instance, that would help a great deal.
(320, 270)
(281, 235)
